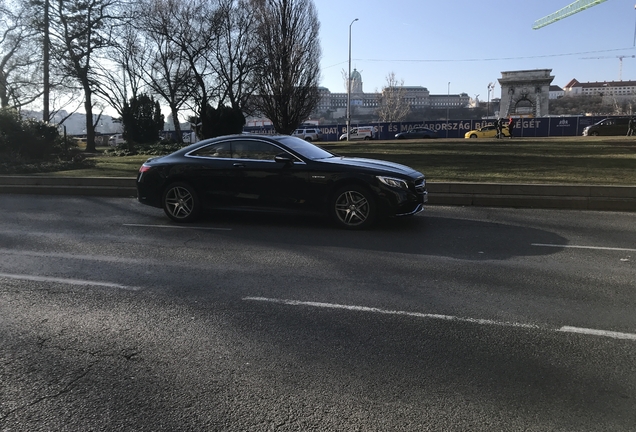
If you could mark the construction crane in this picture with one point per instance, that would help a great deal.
(571, 9)
(620, 62)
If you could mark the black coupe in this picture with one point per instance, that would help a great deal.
(258, 172)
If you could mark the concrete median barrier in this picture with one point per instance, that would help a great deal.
(572, 197)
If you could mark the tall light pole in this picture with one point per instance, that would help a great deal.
(447, 108)
(491, 86)
(349, 84)
(635, 30)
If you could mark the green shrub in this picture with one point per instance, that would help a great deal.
(27, 140)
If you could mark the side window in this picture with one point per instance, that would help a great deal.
(256, 150)
(218, 150)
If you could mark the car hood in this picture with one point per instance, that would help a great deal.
(372, 164)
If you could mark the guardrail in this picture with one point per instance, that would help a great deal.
(573, 197)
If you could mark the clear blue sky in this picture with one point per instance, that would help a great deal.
(469, 43)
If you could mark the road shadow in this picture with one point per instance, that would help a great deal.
(418, 235)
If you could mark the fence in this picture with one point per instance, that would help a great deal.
(524, 127)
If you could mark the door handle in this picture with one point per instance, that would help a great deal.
(239, 165)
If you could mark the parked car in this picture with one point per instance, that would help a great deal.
(283, 173)
(308, 134)
(487, 132)
(608, 126)
(417, 132)
(360, 133)
(115, 140)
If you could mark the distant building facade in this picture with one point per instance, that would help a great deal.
(335, 104)
(556, 92)
(618, 90)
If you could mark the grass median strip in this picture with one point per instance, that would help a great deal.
(563, 160)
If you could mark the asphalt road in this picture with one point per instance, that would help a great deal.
(459, 319)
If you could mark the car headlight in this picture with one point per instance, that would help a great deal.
(393, 182)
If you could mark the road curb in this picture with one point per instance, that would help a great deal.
(571, 197)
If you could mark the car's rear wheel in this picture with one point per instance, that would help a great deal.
(181, 203)
(308, 139)
(367, 138)
(473, 136)
(353, 207)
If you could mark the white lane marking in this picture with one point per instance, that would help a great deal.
(584, 247)
(564, 329)
(61, 255)
(391, 312)
(178, 227)
(67, 281)
(605, 333)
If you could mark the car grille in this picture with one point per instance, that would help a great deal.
(420, 185)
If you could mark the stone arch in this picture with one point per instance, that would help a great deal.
(525, 92)
(524, 106)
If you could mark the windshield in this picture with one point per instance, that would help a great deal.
(304, 148)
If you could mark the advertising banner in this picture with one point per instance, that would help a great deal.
(524, 127)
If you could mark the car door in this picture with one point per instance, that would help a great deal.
(487, 132)
(211, 173)
(261, 182)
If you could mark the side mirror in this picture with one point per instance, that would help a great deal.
(284, 158)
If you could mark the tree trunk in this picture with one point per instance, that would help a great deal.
(177, 126)
(90, 127)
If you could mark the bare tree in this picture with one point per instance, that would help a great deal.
(392, 103)
(19, 57)
(165, 70)
(187, 29)
(80, 30)
(236, 53)
(121, 76)
(289, 71)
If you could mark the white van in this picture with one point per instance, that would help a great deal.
(359, 133)
(115, 140)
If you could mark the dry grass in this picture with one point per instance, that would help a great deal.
(570, 160)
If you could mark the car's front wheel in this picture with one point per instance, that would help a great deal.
(181, 203)
(353, 207)
(473, 136)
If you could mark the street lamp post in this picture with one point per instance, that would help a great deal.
(447, 108)
(635, 30)
(491, 86)
(349, 84)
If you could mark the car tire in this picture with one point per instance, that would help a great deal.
(366, 138)
(353, 207)
(308, 139)
(181, 203)
(594, 133)
(473, 136)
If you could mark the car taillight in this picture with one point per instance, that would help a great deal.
(144, 168)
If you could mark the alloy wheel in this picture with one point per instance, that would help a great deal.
(352, 208)
(179, 202)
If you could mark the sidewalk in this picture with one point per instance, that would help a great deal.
(571, 197)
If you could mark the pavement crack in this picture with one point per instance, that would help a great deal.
(67, 388)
